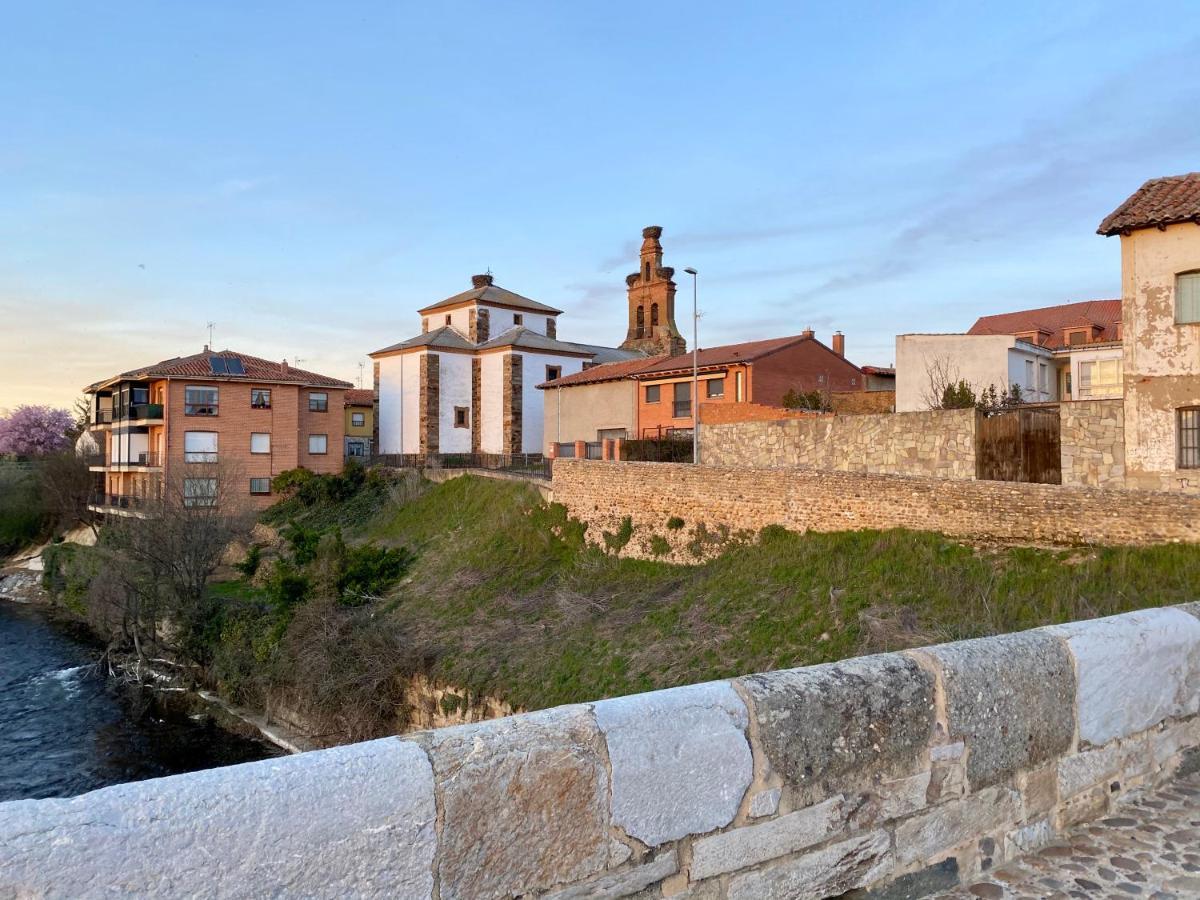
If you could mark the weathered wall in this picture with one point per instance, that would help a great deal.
(938, 442)
(1162, 358)
(1093, 443)
(603, 494)
(911, 770)
(857, 403)
(589, 408)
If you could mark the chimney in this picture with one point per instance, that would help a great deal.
(839, 343)
(206, 348)
(284, 367)
(481, 280)
(806, 333)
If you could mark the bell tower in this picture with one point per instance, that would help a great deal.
(652, 327)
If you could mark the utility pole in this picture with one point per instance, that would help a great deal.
(695, 368)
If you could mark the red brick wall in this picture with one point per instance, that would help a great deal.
(728, 413)
(655, 415)
(801, 367)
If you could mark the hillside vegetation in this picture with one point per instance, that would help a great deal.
(503, 596)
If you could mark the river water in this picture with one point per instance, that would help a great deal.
(66, 729)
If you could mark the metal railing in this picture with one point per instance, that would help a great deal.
(595, 450)
(531, 464)
(103, 417)
(117, 501)
(141, 460)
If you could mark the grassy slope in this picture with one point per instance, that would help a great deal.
(510, 602)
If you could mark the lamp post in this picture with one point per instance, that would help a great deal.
(695, 369)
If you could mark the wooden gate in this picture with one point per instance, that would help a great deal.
(1019, 445)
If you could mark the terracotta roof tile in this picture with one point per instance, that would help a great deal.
(728, 354)
(357, 397)
(491, 293)
(614, 371)
(1160, 201)
(1053, 320)
(256, 369)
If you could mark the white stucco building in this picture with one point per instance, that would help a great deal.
(468, 382)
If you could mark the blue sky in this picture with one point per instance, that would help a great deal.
(308, 175)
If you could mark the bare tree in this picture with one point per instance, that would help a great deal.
(165, 554)
(945, 388)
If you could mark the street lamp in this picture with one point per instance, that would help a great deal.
(695, 369)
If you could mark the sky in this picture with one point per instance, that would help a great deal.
(307, 175)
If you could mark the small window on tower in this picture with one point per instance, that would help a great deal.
(553, 372)
(647, 271)
(653, 315)
(460, 417)
(518, 318)
(447, 318)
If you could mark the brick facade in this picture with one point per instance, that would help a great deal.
(602, 494)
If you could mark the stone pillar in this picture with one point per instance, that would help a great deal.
(512, 387)
(429, 405)
(482, 326)
(551, 327)
(476, 404)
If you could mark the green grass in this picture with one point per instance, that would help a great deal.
(506, 599)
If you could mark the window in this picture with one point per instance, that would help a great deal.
(318, 444)
(199, 492)
(553, 372)
(460, 417)
(653, 315)
(1074, 338)
(358, 420)
(260, 398)
(260, 485)
(714, 388)
(641, 321)
(260, 443)
(518, 318)
(737, 381)
(646, 269)
(683, 400)
(652, 392)
(1099, 378)
(1029, 374)
(200, 446)
(199, 401)
(1187, 298)
(1189, 438)
(318, 402)
(1042, 374)
(448, 319)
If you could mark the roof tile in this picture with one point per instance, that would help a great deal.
(1054, 320)
(1158, 202)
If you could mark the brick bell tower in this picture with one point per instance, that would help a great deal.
(652, 327)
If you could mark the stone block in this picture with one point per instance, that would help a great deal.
(830, 871)
(941, 828)
(837, 728)
(1009, 699)
(524, 803)
(750, 845)
(622, 884)
(765, 803)
(1133, 670)
(942, 876)
(680, 760)
(356, 820)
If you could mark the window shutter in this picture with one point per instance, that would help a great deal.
(1187, 297)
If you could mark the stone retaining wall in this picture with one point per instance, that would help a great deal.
(747, 500)
(938, 442)
(889, 776)
(1093, 442)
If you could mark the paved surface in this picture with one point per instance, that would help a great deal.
(1148, 847)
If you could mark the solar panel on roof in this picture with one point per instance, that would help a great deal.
(235, 366)
(217, 364)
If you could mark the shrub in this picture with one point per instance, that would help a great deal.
(370, 570)
(674, 523)
(249, 566)
(303, 542)
(287, 588)
(659, 545)
(616, 542)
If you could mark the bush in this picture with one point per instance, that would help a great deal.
(303, 542)
(249, 566)
(616, 542)
(287, 588)
(959, 395)
(23, 516)
(370, 570)
(675, 523)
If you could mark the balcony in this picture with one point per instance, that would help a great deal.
(99, 463)
(102, 417)
(118, 505)
(143, 413)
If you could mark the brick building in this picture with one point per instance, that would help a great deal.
(184, 417)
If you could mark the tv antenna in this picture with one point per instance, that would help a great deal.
(211, 326)
(361, 365)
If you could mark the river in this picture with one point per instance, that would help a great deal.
(66, 729)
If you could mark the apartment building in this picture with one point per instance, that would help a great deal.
(189, 418)
(360, 422)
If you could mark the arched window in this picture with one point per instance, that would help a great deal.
(647, 271)
(641, 321)
(1187, 297)
(654, 315)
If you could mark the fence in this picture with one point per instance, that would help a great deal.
(653, 450)
(531, 464)
(1020, 445)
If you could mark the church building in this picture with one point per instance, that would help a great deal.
(468, 382)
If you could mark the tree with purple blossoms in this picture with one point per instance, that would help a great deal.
(35, 431)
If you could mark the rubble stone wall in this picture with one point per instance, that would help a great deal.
(903, 773)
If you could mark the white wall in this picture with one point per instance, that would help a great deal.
(533, 409)
(1018, 373)
(491, 378)
(1085, 355)
(399, 403)
(979, 359)
(454, 389)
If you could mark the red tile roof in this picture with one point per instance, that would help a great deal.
(1054, 320)
(1160, 201)
(357, 397)
(198, 366)
(726, 355)
(613, 371)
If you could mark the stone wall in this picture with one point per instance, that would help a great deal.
(735, 499)
(938, 442)
(903, 773)
(1093, 443)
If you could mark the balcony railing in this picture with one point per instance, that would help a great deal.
(103, 417)
(140, 460)
(117, 501)
(140, 411)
